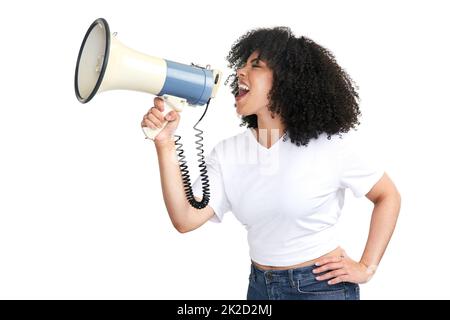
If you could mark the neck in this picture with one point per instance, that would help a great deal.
(269, 129)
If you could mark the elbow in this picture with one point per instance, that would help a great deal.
(181, 221)
(181, 228)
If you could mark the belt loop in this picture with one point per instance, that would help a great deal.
(291, 277)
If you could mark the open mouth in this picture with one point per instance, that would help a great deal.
(243, 90)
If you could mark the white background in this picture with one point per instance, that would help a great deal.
(81, 209)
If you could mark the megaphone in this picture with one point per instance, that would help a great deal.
(104, 63)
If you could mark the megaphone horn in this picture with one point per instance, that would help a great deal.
(104, 63)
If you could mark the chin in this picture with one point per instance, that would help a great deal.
(242, 114)
(240, 111)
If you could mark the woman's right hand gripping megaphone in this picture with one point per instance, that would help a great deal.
(159, 118)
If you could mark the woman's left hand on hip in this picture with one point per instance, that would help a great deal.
(342, 269)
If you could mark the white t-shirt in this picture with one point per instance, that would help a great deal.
(289, 198)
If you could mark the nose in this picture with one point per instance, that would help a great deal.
(241, 72)
(243, 68)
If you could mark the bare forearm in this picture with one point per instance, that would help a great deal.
(171, 183)
(382, 225)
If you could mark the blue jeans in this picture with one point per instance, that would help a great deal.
(296, 284)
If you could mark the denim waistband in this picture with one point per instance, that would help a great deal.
(306, 269)
(291, 274)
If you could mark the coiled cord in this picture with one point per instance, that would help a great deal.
(203, 171)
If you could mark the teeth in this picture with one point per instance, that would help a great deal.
(244, 87)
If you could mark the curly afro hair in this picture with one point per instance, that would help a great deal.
(310, 91)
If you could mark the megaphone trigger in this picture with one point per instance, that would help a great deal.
(175, 103)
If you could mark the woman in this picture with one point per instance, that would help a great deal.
(298, 106)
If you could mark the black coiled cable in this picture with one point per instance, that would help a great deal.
(203, 172)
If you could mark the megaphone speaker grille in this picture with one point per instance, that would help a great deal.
(92, 60)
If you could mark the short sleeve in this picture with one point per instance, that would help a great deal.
(360, 168)
(218, 200)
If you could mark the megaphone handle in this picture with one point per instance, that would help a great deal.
(170, 103)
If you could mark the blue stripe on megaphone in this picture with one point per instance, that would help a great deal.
(193, 83)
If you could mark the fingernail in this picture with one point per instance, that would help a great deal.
(317, 263)
(318, 278)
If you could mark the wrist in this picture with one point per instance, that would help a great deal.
(163, 144)
(370, 269)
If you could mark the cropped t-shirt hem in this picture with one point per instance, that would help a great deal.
(297, 259)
